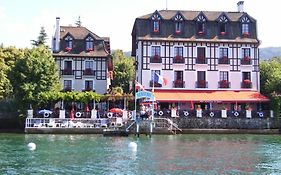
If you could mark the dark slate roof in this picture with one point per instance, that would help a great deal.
(77, 32)
(191, 15)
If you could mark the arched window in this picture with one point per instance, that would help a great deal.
(178, 23)
(245, 26)
(89, 43)
(69, 43)
(201, 22)
(156, 22)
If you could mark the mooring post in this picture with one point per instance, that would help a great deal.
(138, 129)
(151, 128)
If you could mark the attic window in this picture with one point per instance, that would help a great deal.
(69, 42)
(245, 25)
(89, 44)
(178, 23)
(156, 22)
(201, 24)
(222, 24)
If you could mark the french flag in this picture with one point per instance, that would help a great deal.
(139, 86)
(160, 79)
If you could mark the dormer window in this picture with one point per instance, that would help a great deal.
(156, 26)
(222, 21)
(245, 25)
(201, 21)
(178, 23)
(89, 44)
(69, 43)
(156, 22)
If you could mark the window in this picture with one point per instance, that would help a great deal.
(222, 28)
(201, 75)
(223, 56)
(223, 76)
(88, 85)
(245, 28)
(89, 44)
(155, 51)
(201, 55)
(178, 27)
(179, 83)
(69, 43)
(156, 26)
(68, 65)
(89, 64)
(246, 52)
(246, 76)
(201, 24)
(100, 69)
(179, 75)
(67, 85)
(222, 23)
(178, 51)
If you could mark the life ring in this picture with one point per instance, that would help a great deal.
(261, 114)
(186, 113)
(160, 113)
(78, 114)
(46, 114)
(212, 114)
(236, 114)
(109, 114)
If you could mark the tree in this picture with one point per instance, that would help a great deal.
(123, 70)
(8, 56)
(78, 22)
(36, 72)
(41, 38)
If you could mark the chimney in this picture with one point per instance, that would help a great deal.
(57, 35)
(240, 6)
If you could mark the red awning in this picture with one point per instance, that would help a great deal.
(208, 96)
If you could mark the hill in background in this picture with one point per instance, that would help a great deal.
(270, 52)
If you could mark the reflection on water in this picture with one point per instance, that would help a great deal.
(180, 154)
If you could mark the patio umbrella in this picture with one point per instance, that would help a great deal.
(116, 110)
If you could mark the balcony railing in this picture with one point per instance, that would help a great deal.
(246, 84)
(89, 72)
(67, 72)
(156, 59)
(224, 60)
(246, 61)
(178, 59)
(155, 84)
(179, 84)
(201, 60)
(224, 84)
(201, 84)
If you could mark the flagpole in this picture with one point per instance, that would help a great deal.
(153, 96)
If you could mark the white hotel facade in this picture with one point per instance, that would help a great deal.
(210, 58)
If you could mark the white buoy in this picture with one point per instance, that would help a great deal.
(133, 146)
(31, 146)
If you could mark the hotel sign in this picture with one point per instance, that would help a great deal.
(144, 94)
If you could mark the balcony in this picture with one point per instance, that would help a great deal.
(178, 59)
(201, 60)
(224, 84)
(246, 60)
(155, 84)
(156, 59)
(201, 84)
(67, 72)
(224, 60)
(179, 84)
(246, 84)
(89, 71)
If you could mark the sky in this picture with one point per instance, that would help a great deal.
(21, 20)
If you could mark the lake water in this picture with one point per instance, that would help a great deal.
(161, 154)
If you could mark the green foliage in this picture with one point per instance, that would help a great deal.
(8, 56)
(41, 38)
(270, 81)
(123, 70)
(36, 72)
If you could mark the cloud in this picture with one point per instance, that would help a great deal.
(2, 13)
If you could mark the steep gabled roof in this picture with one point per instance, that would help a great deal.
(191, 15)
(77, 32)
